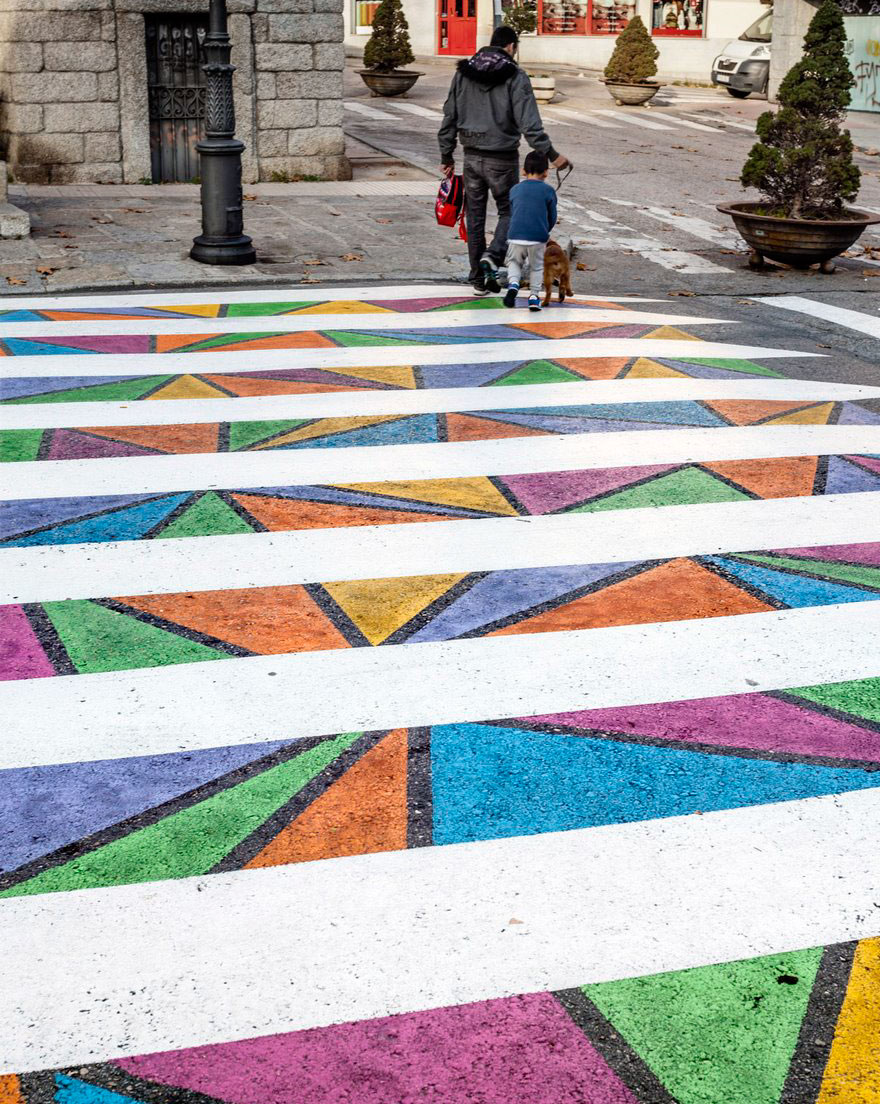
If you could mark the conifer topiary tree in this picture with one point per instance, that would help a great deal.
(803, 161)
(389, 47)
(521, 16)
(634, 60)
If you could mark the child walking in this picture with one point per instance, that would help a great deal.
(532, 217)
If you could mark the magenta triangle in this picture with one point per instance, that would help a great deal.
(544, 492)
(67, 444)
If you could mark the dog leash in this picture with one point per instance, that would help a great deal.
(560, 179)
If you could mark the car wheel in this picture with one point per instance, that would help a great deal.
(738, 93)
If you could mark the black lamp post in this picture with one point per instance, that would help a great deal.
(222, 240)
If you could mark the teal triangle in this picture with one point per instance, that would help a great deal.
(491, 781)
(69, 1090)
(421, 429)
(793, 590)
(129, 524)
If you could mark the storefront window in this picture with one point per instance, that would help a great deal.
(364, 11)
(677, 17)
(585, 17)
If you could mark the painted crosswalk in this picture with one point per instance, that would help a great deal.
(402, 691)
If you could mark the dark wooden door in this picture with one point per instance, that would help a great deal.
(176, 89)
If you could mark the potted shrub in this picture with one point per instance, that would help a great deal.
(387, 51)
(522, 16)
(803, 161)
(633, 63)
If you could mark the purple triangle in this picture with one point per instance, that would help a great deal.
(21, 654)
(44, 808)
(872, 463)
(846, 478)
(699, 371)
(755, 721)
(115, 343)
(410, 306)
(853, 414)
(67, 444)
(847, 553)
(545, 492)
(22, 386)
(465, 375)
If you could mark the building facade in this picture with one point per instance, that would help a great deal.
(688, 33)
(112, 91)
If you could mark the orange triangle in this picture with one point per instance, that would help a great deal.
(283, 514)
(465, 427)
(240, 385)
(307, 339)
(173, 438)
(676, 591)
(10, 1089)
(749, 411)
(561, 329)
(266, 620)
(597, 368)
(784, 478)
(364, 812)
(810, 415)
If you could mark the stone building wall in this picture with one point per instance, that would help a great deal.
(73, 88)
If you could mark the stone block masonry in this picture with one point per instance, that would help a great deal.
(74, 98)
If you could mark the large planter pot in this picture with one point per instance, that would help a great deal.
(631, 95)
(796, 242)
(544, 88)
(394, 83)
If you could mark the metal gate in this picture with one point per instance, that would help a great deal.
(176, 90)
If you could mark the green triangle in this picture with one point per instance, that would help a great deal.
(537, 371)
(250, 310)
(192, 841)
(491, 302)
(100, 639)
(121, 390)
(18, 445)
(848, 573)
(242, 434)
(861, 697)
(209, 516)
(715, 1033)
(732, 365)
(349, 337)
(678, 488)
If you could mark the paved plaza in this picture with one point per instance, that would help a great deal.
(408, 700)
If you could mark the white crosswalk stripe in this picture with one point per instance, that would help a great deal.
(371, 113)
(632, 119)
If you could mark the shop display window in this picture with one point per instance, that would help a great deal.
(677, 17)
(584, 17)
(364, 13)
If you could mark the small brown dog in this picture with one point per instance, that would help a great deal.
(557, 270)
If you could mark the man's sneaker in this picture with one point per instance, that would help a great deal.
(490, 275)
(510, 297)
(479, 284)
(534, 302)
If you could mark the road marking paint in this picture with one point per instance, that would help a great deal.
(156, 710)
(172, 964)
(369, 112)
(415, 109)
(294, 359)
(444, 460)
(726, 122)
(681, 121)
(350, 404)
(632, 119)
(56, 572)
(591, 119)
(853, 320)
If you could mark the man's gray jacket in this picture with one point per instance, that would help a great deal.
(489, 107)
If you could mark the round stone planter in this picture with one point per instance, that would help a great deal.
(796, 242)
(544, 88)
(631, 95)
(394, 83)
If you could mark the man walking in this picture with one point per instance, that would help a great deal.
(490, 106)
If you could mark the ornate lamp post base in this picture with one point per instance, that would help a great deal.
(222, 241)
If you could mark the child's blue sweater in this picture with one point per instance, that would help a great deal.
(533, 211)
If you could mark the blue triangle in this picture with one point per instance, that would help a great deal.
(44, 808)
(793, 590)
(68, 1090)
(464, 375)
(491, 782)
(22, 386)
(130, 524)
(420, 429)
(25, 346)
(676, 412)
(20, 515)
(846, 478)
(853, 414)
(20, 316)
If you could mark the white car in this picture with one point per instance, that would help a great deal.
(744, 64)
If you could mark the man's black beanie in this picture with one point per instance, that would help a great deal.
(504, 36)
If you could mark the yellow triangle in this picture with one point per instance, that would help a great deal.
(380, 606)
(471, 494)
(324, 426)
(650, 369)
(188, 387)
(397, 377)
(344, 306)
(813, 415)
(211, 310)
(851, 1073)
(670, 333)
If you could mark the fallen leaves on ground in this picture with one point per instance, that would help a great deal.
(871, 271)
(314, 262)
(60, 234)
(384, 222)
(14, 281)
(249, 197)
(45, 270)
(684, 294)
(352, 256)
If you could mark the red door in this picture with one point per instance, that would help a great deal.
(457, 27)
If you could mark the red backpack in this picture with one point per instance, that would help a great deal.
(449, 208)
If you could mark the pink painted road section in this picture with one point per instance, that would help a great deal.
(868, 554)
(21, 656)
(514, 1051)
(754, 721)
(547, 491)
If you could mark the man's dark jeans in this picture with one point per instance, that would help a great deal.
(483, 175)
